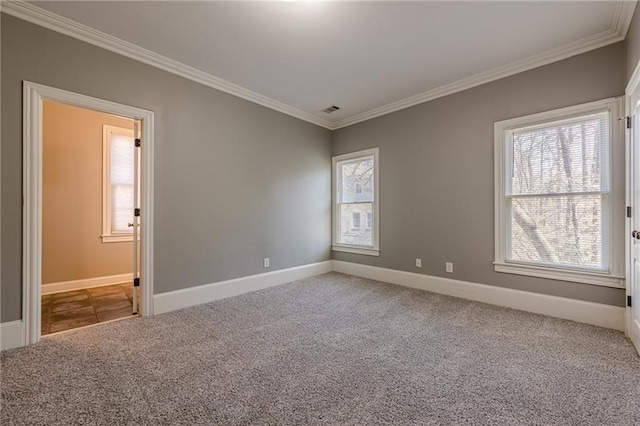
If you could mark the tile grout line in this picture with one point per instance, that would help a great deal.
(95, 314)
(119, 291)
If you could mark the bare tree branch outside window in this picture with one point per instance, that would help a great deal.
(557, 190)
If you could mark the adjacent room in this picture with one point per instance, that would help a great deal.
(320, 212)
(87, 205)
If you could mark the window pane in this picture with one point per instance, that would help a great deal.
(121, 175)
(356, 178)
(565, 156)
(121, 159)
(563, 230)
(121, 208)
(351, 230)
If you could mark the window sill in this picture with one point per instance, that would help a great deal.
(117, 238)
(357, 250)
(585, 277)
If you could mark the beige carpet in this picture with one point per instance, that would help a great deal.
(328, 350)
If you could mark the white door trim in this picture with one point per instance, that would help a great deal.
(632, 85)
(628, 176)
(33, 96)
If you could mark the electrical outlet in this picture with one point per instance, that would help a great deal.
(418, 263)
(449, 267)
(266, 262)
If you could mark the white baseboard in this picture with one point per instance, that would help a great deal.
(85, 283)
(173, 300)
(11, 335)
(561, 307)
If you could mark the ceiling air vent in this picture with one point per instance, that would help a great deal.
(331, 109)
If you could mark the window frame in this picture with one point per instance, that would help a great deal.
(373, 250)
(614, 277)
(108, 236)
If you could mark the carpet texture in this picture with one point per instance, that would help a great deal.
(333, 349)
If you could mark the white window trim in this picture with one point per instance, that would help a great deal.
(615, 276)
(372, 251)
(107, 235)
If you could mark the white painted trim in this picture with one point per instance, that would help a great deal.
(503, 131)
(355, 250)
(578, 276)
(60, 286)
(11, 335)
(630, 199)
(60, 24)
(33, 96)
(617, 32)
(576, 310)
(633, 81)
(107, 239)
(173, 300)
(44, 18)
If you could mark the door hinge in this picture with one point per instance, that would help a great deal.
(138, 141)
(628, 121)
(136, 212)
(629, 301)
(628, 211)
(136, 282)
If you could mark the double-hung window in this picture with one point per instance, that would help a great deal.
(117, 184)
(559, 210)
(355, 197)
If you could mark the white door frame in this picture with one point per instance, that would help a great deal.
(33, 96)
(632, 85)
(628, 202)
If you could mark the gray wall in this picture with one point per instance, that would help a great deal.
(436, 171)
(632, 45)
(235, 182)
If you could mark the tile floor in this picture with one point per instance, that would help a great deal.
(79, 308)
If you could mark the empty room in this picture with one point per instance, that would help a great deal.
(320, 212)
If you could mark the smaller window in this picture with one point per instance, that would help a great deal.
(356, 220)
(118, 184)
(355, 195)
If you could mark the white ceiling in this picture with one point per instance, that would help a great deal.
(365, 57)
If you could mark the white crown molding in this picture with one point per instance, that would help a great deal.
(618, 31)
(623, 16)
(36, 15)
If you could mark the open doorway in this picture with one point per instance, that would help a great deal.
(45, 273)
(88, 187)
